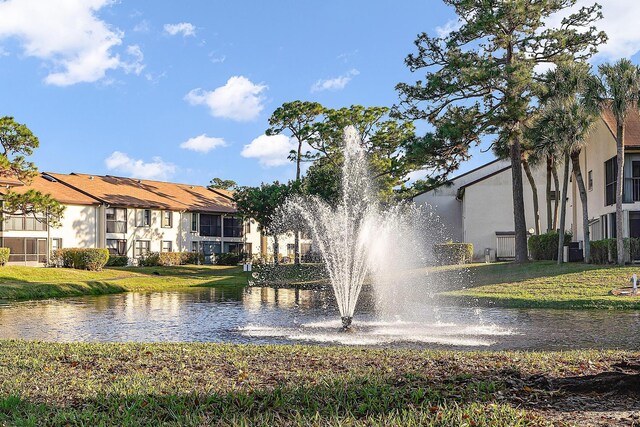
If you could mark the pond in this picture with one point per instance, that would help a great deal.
(284, 316)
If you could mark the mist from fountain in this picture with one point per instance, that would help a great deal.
(358, 239)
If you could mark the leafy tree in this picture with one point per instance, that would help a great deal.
(299, 119)
(222, 184)
(479, 78)
(618, 89)
(17, 143)
(262, 204)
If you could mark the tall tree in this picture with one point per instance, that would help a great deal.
(222, 184)
(262, 204)
(482, 74)
(299, 119)
(17, 143)
(618, 89)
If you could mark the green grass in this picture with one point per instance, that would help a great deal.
(20, 283)
(545, 285)
(220, 384)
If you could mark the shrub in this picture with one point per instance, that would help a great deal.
(4, 255)
(192, 258)
(229, 259)
(545, 246)
(600, 251)
(83, 259)
(152, 259)
(453, 253)
(605, 251)
(171, 258)
(117, 261)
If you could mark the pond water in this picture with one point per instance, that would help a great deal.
(267, 315)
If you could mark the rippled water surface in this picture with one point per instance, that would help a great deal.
(267, 315)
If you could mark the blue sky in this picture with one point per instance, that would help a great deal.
(182, 91)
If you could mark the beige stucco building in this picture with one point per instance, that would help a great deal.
(477, 206)
(132, 217)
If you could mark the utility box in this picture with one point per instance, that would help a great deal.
(575, 252)
(487, 255)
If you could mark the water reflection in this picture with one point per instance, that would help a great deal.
(270, 315)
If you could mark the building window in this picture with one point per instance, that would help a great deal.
(144, 218)
(116, 220)
(247, 227)
(291, 249)
(56, 244)
(142, 247)
(211, 248)
(210, 225)
(167, 219)
(194, 222)
(25, 223)
(26, 249)
(194, 247)
(117, 247)
(166, 246)
(232, 227)
(234, 248)
(610, 175)
(590, 180)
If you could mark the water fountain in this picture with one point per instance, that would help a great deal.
(356, 237)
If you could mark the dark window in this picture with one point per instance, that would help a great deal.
(590, 180)
(56, 244)
(604, 223)
(142, 247)
(26, 249)
(610, 174)
(233, 227)
(116, 220)
(613, 226)
(234, 248)
(194, 247)
(210, 225)
(210, 248)
(144, 218)
(117, 247)
(167, 219)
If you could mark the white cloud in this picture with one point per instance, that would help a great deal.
(239, 99)
(137, 65)
(270, 150)
(620, 24)
(336, 83)
(203, 143)
(155, 169)
(183, 28)
(448, 28)
(142, 27)
(67, 35)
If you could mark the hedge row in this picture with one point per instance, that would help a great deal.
(605, 251)
(545, 246)
(82, 259)
(453, 253)
(155, 259)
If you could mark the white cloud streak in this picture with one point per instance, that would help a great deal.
(68, 36)
(183, 28)
(155, 169)
(203, 143)
(336, 83)
(239, 99)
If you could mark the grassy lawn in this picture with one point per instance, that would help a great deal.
(219, 384)
(544, 284)
(32, 283)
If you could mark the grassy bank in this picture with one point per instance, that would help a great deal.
(33, 283)
(544, 285)
(205, 384)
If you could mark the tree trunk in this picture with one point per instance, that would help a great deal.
(276, 250)
(619, 191)
(296, 232)
(534, 191)
(577, 173)
(519, 219)
(556, 183)
(549, 214)
(563, 209)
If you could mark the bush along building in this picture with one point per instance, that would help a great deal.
(477, 206)
(133, 218)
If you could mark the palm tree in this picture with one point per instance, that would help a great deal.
(562, 127)
(618, 89)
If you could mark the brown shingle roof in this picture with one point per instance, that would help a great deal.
(631, 126)
(57, 190)
(140, 193)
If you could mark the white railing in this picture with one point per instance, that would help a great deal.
(505, 246)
